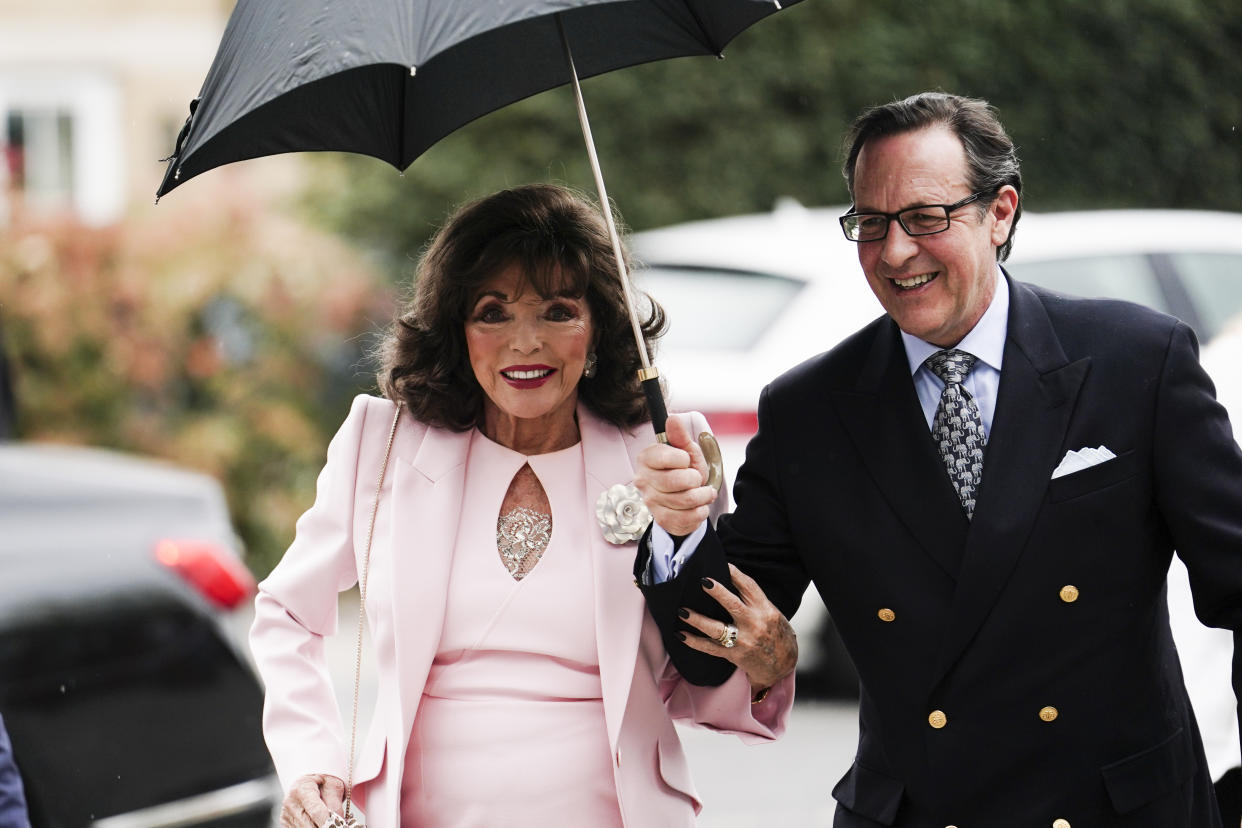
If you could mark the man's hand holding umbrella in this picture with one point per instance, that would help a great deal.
(760, 641)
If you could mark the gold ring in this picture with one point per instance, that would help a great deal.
(728, 636)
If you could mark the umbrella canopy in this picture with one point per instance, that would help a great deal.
(389, 78)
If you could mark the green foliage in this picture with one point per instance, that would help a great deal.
(227, 342)
(1113, 103)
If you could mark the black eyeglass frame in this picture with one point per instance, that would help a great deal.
(890, 217)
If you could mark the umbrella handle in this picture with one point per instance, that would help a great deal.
(650, 379)
(715, 462)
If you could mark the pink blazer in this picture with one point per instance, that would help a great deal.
(415, 526)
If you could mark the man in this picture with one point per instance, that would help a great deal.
(986, 486)
(13, 812)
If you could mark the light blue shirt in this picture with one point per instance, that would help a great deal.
(986, 341)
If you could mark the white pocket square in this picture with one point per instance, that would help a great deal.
(1083, 458)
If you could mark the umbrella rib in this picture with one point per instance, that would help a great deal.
(405, 98)
(705, 37)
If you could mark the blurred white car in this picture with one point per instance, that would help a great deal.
(1206, 653)
(751, 296)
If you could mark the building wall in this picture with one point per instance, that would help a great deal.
(98, 89)
(64, 9)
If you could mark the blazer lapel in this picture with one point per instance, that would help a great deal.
(427, 499)
(1038, 389)
(885, 421)
(619, 607)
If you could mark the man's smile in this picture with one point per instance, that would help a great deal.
(914, 281)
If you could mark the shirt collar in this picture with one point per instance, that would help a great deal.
(986, 339)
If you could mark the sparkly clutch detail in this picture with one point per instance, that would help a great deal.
(622, 514)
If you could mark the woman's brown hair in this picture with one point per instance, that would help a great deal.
(559, 241)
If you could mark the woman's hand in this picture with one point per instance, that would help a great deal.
(312, 801)
(766, 647)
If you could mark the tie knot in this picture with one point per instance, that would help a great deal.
(951, 366)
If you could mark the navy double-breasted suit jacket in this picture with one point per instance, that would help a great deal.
(1017, 669)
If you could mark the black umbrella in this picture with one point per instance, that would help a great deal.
(389, 78)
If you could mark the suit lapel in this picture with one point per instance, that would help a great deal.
(619, 607)
(886, 423)
(1038, 389)
(428, 492)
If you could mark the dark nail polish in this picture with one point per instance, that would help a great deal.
(683, 613)
(681, 636)
(708, 583)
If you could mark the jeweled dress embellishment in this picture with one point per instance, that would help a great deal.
(522, 535)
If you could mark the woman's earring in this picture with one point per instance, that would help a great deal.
(588, 370)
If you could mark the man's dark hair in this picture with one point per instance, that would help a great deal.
(991, 160)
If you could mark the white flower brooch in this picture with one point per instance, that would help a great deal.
(622, 514)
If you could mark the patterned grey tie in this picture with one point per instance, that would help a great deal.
(957, 428)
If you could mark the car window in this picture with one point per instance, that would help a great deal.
(1214, 282)
(717, 309)
(1128, 277)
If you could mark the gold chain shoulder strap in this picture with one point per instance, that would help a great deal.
(362, 614)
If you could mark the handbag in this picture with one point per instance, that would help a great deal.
(350, 819)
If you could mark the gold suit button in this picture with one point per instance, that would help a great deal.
(887, 615)
(937, 719)
(1069, 594)
(1061, 823)
(1049, 714)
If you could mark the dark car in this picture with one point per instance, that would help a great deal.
(126, 696)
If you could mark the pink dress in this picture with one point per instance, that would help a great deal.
(532, 751)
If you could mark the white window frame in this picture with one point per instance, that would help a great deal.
(94, 105)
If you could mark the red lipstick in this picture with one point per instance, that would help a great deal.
(527, 376)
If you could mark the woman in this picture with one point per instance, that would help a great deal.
(521, 680)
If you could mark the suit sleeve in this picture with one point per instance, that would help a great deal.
(296, 609)
(1199, 488)
(665, 600)
(756, 537)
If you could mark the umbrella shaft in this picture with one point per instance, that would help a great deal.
(648, 375)
(605, 205)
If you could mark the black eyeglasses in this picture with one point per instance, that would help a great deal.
(923, 220)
